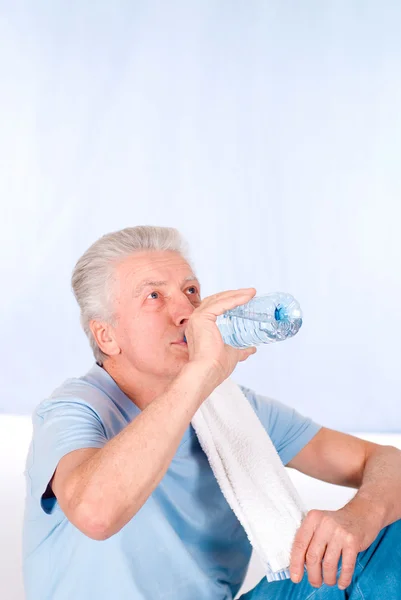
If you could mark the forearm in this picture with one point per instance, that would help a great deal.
(112, 485)
(380, 492)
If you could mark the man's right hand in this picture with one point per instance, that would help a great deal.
(206, 348)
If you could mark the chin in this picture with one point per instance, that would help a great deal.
(171, 368)
(178, 365)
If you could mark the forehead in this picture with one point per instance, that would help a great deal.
(156, 265)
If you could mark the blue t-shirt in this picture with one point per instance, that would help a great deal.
(184, 543)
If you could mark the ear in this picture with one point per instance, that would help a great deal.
(105, 338)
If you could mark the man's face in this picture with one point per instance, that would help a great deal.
(150, 317)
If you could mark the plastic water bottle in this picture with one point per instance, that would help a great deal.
(264, 319)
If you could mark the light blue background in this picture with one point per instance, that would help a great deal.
(269, 133)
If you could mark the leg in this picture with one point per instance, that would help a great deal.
(377, 576)
(378, 568)
(287, 590)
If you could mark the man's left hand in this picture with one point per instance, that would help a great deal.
(328, 534)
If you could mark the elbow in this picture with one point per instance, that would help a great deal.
(100, 522)
(99, 535)
(92, 522)
(96, 532)
(95, 517)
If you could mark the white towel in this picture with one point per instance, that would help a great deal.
(251, 475)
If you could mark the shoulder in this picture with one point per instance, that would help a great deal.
(288, 429)
(75, 408)
(267, 409)
(73, 394)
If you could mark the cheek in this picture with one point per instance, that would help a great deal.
(142, 336)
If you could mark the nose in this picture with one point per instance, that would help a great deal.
(181, 309)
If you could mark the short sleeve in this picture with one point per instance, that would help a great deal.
(287, 428)
(59, 427)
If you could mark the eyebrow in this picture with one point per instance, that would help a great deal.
(145, 284)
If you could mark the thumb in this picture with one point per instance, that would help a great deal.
(246, 352)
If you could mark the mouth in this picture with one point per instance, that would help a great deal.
(181, 343)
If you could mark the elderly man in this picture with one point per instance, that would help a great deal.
(121, 501)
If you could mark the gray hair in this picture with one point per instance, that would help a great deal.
(92, 276)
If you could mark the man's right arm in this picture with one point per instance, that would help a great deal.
(100, 490)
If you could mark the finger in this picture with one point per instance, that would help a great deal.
(299, 548)
(330, 561)
(314, 557)
(347, 567)
(228, 294)
(246, 353)
(218, 306)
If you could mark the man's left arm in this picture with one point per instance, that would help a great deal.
(380, 490)
(345, 460)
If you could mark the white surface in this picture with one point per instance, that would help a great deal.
(15, 433)
(268, 132)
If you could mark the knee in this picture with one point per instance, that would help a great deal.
(393, 531)
(391, 538)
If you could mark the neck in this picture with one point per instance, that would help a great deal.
(140, 388)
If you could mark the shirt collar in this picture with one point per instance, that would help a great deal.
(103, 380)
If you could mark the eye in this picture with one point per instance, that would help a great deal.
(193, 288)
(157, 293)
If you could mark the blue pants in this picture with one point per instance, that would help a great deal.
(377, 576)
